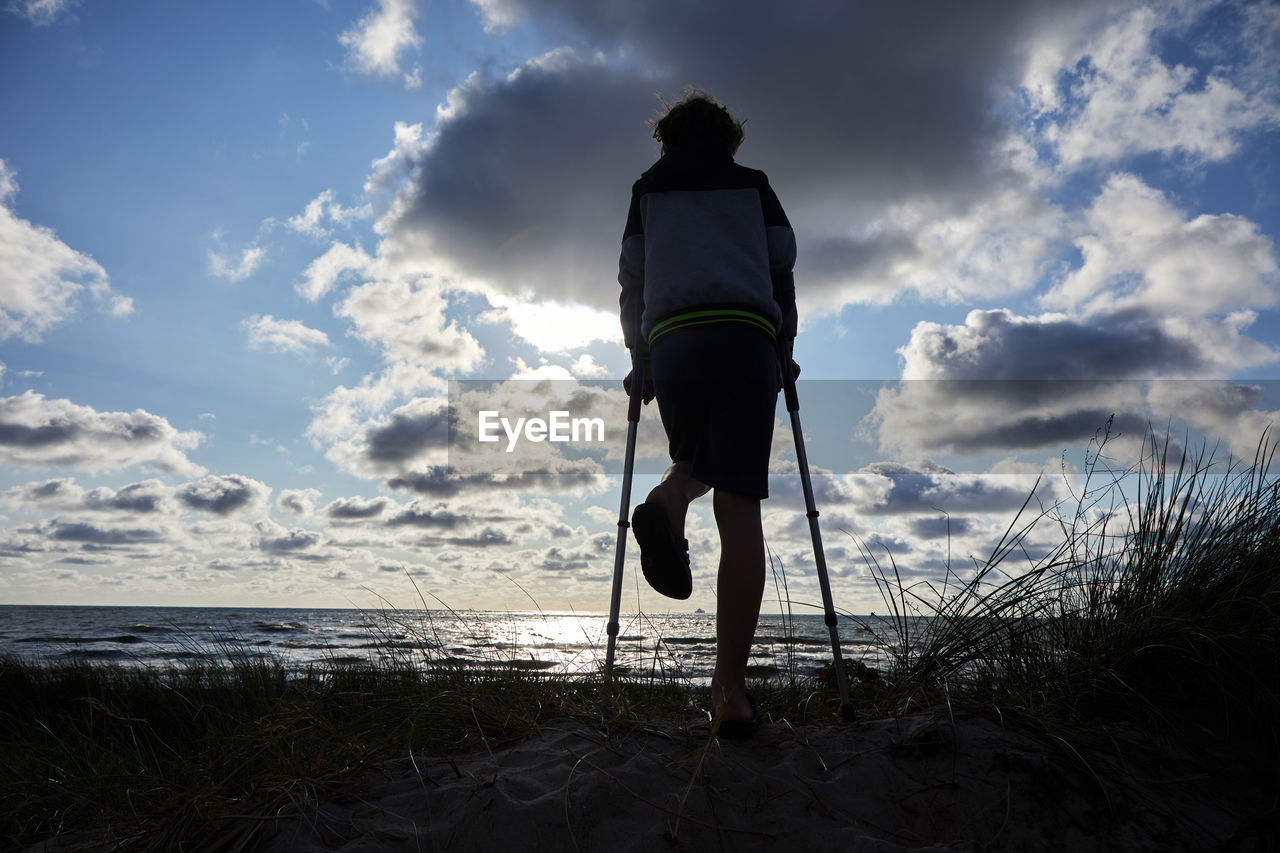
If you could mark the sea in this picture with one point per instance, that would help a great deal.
(676, 646)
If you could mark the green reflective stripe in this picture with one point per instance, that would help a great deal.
(703, 318)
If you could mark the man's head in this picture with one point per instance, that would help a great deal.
(699, 119)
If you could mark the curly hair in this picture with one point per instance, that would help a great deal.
(698, 119)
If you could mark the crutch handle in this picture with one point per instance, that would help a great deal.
(788, 378)
(638, 378)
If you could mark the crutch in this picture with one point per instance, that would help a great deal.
(633, 424)
(811, 510)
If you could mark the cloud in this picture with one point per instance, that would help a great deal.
(414, 435)
(268, 333)
(434, 516)
(299, 502)
(99, 537)
(1142, 255)
(496, 198)
(356, 509)
(225, 264)
(988, 246)
(343, 412)
(375, 43)
(1001, 345)
(140, 498)
(223, 494)
(41, 277)
(552, 326)
(407, 319)
(431, 445)
(892, 489)
(40, 12)
(502, 195)
(37, 431)
(1125, 100)
(586, 367)
(323, 274)
(323, 208)
(275, 540)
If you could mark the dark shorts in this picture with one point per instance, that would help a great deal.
(717, 389)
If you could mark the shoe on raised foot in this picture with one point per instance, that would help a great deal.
(663, 558)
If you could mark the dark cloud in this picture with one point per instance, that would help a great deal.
(49, 489)
(355, 509)
(1002, 383)
(223, 494)
(416, 515)
(890, 488)
(1001, 345)
(93, 535)
(567, 559)
(22, 436)
(941, 527)
(1029, 431)
(292, 542)
(407, 435)
(525, 184)
(486, 538)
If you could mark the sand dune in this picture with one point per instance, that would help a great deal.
(928, 782)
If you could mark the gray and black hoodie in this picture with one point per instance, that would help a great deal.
(706, 242)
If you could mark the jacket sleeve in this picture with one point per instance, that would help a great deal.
(631, 277)
(782, 260)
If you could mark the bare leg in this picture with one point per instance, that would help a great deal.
(739, 589)
(674, 494)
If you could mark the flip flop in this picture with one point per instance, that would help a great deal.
(664, 559)
(741, 729)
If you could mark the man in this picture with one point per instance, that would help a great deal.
(707, 305)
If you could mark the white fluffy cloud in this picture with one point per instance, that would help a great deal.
(268, 333)
(1142, 254)
(322, 212)
(224, 263)
(377, 41)
(1126, 100)
(407, 319)
(41, 277)
(324, 273)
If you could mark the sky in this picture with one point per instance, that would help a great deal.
(262, 265)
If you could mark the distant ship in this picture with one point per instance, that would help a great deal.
(699, 610)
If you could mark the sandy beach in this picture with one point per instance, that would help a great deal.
(934, 781)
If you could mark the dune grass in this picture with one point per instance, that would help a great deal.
(152, 757)
(1156, 599)
(1159, 598)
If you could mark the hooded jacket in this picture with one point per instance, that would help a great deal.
(706, 242)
